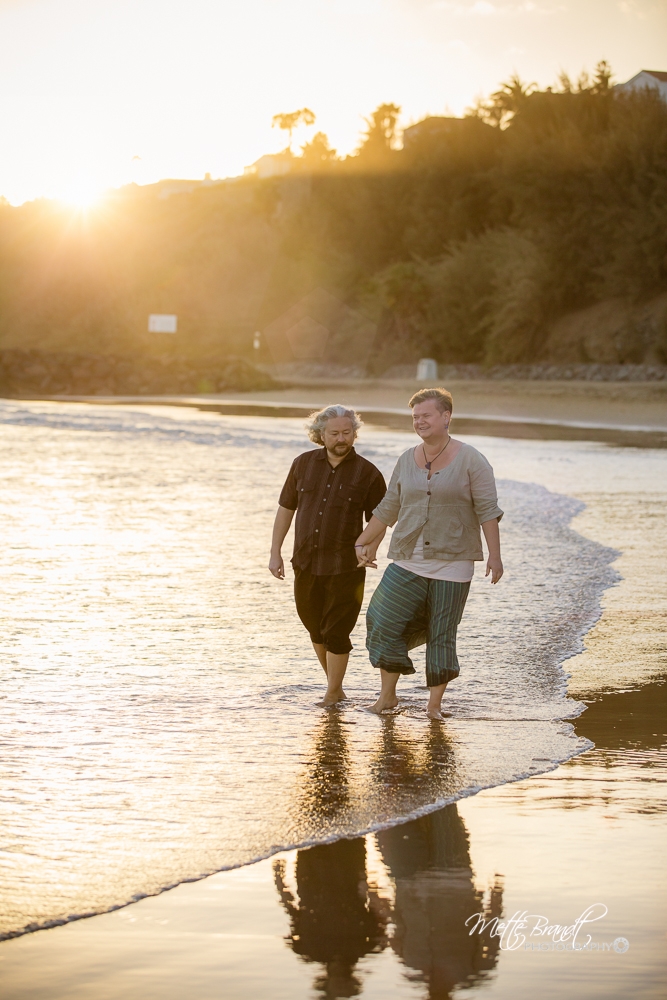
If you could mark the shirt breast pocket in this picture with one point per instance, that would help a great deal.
(305, 492)
(348, 501)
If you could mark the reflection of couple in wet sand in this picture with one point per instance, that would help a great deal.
(338, 916)
(441, 493)
(339, 912)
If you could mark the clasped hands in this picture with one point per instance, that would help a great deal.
(366, 556)
(368, 543)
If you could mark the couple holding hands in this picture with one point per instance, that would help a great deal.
(441, 493)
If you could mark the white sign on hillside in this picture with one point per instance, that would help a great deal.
(162, 323)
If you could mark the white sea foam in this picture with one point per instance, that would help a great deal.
(158, 688)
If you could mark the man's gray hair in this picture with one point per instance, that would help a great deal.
(317, 421)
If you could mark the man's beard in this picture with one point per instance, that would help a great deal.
(341, 445)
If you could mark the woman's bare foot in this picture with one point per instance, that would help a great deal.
(437, 714)
(383, 704)
(387, 699)
(434, 707)
(332, 698)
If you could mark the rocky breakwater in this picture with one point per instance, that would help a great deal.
(33, 373)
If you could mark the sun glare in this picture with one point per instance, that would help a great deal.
(82, 196)
(83, 200)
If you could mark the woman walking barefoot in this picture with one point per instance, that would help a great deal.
(440, 494)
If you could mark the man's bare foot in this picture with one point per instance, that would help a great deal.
(384, 704)
(332, 698)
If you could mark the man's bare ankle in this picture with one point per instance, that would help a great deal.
(333, 697)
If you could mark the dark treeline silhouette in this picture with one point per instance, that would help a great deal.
(473, 243)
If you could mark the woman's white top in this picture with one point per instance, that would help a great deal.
(454, 570)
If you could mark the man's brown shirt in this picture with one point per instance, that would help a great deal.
(330, 505)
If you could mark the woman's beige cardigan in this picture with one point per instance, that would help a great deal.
(449, 509)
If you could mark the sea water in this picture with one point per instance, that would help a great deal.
(159, 718)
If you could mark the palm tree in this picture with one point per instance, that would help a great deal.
(288, 122)
(504, 104)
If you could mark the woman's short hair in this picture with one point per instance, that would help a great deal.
(443, 399)
(317, 421)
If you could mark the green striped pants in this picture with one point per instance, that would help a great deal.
(407, 610)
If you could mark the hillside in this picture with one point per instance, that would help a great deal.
(535, 229)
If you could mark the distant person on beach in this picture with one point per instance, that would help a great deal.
(330, 488)
(440, 494)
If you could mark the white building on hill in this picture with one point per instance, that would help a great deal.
(271, 165)
(654, 78)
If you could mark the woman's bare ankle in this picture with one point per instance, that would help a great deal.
(384, 703)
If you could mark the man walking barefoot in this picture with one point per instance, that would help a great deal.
(331, 488)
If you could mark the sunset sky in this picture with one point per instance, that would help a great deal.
(97, 93)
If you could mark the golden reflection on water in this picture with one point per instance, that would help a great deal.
(160, 695)
(594, 828)
(324, 789)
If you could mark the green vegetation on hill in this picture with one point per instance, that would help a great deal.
(470, 244)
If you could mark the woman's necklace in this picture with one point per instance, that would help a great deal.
(429, 464)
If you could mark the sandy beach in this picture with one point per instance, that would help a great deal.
(383, 915)
(631, 413)
(603, 404)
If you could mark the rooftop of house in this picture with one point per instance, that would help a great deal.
(437, 124)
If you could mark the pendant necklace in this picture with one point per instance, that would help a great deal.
(429, 464)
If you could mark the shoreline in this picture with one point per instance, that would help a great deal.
(624, 413)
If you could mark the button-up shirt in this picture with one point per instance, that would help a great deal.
(330, 505)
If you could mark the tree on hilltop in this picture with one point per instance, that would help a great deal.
(503, 105)
(288, 122)
(600, 84)
(317, 153)
(380, 136)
